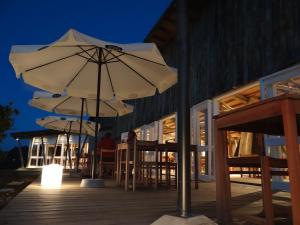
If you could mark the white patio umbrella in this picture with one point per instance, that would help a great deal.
(69, 125)
(128, 71)
(68, 105)
(91, 68)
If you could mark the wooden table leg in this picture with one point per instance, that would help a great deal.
(134, 166)
(223, 194)
(127, 169)
(156, 169)
(267, 191)
(160, 167)
(118, 167)
(291, 138)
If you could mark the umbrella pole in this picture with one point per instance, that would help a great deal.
(44, 152)
(94, 162)
(55, 147)
(83, 144)
(79, 138)
(116, 127)
(66, 153)
(68, 145)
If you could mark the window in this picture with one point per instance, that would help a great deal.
(50, 150)
(34, 150)
(58, 150)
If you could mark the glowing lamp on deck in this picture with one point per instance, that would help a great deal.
(52, 176)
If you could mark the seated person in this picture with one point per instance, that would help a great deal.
(131, 136)
(107, 143)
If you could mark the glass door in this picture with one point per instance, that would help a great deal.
(202, 137)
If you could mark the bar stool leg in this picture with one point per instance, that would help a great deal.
(156, 169)
(267, 191)
(127, 169)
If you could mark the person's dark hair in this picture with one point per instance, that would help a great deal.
(131, 136)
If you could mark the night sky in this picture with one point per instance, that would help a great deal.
(44, 21)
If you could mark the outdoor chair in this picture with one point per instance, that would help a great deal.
(143, 168)
(264, 165)
(107, 168)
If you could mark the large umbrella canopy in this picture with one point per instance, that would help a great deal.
(68, 105)
(67, 124)
(129, 71)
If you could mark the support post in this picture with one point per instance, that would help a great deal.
(79, 138)
(94, 161)
(184, 189)
(21, 154)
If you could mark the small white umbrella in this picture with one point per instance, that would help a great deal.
(69, 125)
(91, 68)
(68, 105)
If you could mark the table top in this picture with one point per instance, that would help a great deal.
(261, 117)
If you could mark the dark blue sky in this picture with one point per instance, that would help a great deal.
(44, 21)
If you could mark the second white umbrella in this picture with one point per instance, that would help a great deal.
(68, 105)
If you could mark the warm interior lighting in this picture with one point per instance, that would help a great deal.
(52, 176)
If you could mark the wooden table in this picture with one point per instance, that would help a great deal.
(127, 148)
(276, 116)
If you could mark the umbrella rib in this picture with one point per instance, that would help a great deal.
(86, 124)
(110, 106)
(60, 103)
(45, 124)
(110, 81)
(92, 56)
(140, 75)
(104, 58)
(86, 106)
(115, 57)
(148, 60)
(79, 71)
(66, 127)
(57, 60)
(89, 59)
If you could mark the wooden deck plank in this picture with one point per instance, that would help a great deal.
(111, 205)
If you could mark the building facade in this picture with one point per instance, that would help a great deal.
(240, 52)
(47, 146)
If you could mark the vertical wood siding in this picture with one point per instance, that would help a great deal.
(232, 43)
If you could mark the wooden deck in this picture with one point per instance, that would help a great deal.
(112, 205)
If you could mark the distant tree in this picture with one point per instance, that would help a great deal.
(7, 113)
(12, 158)
(2, 155)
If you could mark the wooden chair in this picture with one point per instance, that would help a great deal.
(104, 165)
(265, 164)
(142, 167)
(85, 164)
